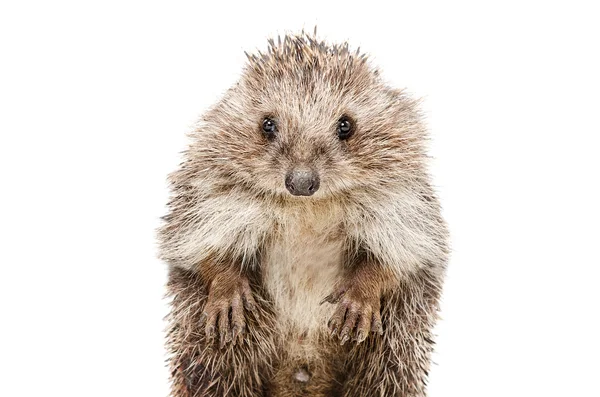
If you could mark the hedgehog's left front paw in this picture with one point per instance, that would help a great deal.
(228, 296)
(357, 314)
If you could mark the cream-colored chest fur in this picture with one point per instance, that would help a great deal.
(301, 267)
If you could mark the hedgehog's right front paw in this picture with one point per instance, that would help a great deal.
(357, 314)
(224, 309)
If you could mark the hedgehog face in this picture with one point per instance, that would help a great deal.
(308, 119)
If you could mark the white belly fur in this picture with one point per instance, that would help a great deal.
(301, 267)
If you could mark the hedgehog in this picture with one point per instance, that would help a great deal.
(304, 241)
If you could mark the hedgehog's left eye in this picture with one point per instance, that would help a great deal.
(345, 128)
(269, 127)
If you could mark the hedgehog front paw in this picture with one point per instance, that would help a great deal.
(357, 314)
(224, 310)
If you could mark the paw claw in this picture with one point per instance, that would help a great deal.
(344, 339)
(210, 331)
(334, 297)
(345, 332)
(355, 317)
(376, 326)
(237, 333)
(228, 307)
(361, 336)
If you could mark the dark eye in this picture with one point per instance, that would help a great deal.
(269, 127)
(345, 128)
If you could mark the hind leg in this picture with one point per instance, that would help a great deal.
(397, 363)
(203, 366)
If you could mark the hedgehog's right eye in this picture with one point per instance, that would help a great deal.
(344, 128)
(269, 127)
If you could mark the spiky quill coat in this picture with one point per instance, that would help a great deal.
(329, 295)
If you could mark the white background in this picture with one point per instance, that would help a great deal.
(95, 101)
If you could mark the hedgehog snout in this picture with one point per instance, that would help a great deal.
(302, 181)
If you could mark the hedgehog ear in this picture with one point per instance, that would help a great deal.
(395, 93)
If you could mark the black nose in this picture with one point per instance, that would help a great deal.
(302, 182)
